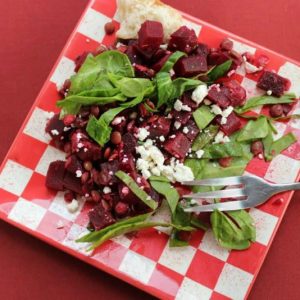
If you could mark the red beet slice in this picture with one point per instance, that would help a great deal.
(55, 127)
(190, 66)
(100, 217)
(232, 125)
(202, 50)
(237, 94)
(129, 142)
(183, 39)
(218, 95)
(159, 64)
(55, 175)
(73, 164)
(160, 127)
(150, 35)
(178, 146)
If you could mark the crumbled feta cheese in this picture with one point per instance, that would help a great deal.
(269, 92)
(251, 68)
(164, 46)
(118, 120)
(169, 116)
(66, 128)
(185, 130)
(162, 138)
(193, 201)
(80, 145)
(207, 102)
(216, 109)
(106, 190)
(216, 85)
(142, 134)
(111, 173)
(85, 149)
(223, 120)
(133, 115)
(172, 136)
(119, 45)
(199, 153)
(221, 138)
(73, 206)
(178, 106)
(60, 224)
(148, 143)
(172, 72)
(226, 112)
(78, 173)
(177, 124)
(54, 132)
(199, 93)
(260, 156)
(182, 173)
(155, 171)
(125, 190)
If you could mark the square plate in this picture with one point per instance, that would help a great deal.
(146, 262)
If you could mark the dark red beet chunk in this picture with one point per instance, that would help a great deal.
(72, 183)
(187, 100)
(129, 142)
(202, 50)
(100, 217)
(232, 125)
(107, 171)
(159, 64)
(193, 130)
(160, 127)
(217, 57)
(55, 127)
(190, 66)
(218, 95)
(184, 39)
(237, 94)
(150, 35)
(73, 164)
(178, 146)
(181, 116)
(226, 44)
(270, 81)
(143, 72)
(133, 54)
(55, 175)
(127, 163)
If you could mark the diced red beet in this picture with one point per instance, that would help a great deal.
(55, 175)
(129, 142)
(160, 127)
(237, 94)
(218, 95)
(183, 39)
(237, 59)
(143, 72)
(150, 35)
(107, 171)
(178, 146)
(55, 127)
(270, 81)
(72, 183)
(159, 64)
(193, 130)
(100, 217)
(145, 53)
(226, 44)
(126, 195)
(181, 116)
(73, 164)
(190, 66)
(202, 50)
(127, 163)
(186, 99)
(133, 54)
(232, 125)
(217, 57)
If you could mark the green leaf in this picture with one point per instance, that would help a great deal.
(267, 142)
(91, 74)
(263, 100)
(233, 235)
(203, 116)
(282, 143)
(141, 194)
(172, 60)
(219, 71)
(168, 191)
(181, 85)
(205, 137)
(216, 151)
(254, 129)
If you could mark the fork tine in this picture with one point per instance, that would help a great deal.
(218, 194)
(231, 205)
(216, 181)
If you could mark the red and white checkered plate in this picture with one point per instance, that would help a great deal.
(202, 270)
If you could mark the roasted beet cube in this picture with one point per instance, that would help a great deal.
(270, 81)
(107, 171)
(73, 164)
(183, 39)
(150, 35)
(192, 130)
(159, 64)
(190, 66)
(133, 54)
(218, 95)
(217, 57)
(160, 127)
(72, 183)
(181, 116)
(202, 50)
(232, 125)
(129, 142)
(55, 175)
(186, 99)
(143, 72)
(126, 195)
(145, 53)
(178, 146)
(127, 163)
(55, 127)
(100, 217)
(237, 94)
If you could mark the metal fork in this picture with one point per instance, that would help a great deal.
(254, 189)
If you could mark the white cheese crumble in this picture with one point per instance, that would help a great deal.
(177, 124)
(80, 145)
(66, 128)
(269, 92)
(162, 138)
(216, 109)
(199, 153)
(185, 130)
(73, 206)
(224, 113)
(199, 93)
(106, 190)
(142, 134)
(118, 120)
(207, 102)
(178, 105)
(163, 46)
(221, 138)
(54, 132)
(172, 72)
(251, 68)
(78, 173)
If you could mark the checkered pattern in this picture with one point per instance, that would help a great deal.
(201, 271)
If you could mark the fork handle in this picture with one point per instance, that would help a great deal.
(286, 187)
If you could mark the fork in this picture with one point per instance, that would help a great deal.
(253, 189)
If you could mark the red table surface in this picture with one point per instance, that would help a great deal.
(32, 34)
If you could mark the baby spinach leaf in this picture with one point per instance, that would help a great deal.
(219, 71)
(182, 84)
(267, 142)
(141, 194)
(282, 143)
(205, 137)
(254, 129)
(216, 151)
(263, 100)
(168, 191)
(203, 116)
(169, 64)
